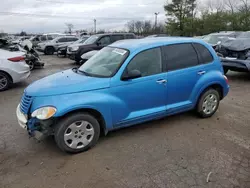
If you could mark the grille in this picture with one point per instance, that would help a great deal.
(25, 103)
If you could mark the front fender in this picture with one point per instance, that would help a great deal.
(207, 80)
(98, 100)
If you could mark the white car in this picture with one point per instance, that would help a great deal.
(13, 68)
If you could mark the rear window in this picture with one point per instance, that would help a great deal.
(204, 54)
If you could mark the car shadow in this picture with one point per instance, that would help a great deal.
(238, 76)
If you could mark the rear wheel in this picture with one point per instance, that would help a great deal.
(77, 133)
(5, 81)
(208, 103)
(49, 50)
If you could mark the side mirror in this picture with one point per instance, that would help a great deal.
(131, 75)
(98, 43)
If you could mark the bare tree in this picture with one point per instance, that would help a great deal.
(131, 26)
(138, 27)
(70, 27)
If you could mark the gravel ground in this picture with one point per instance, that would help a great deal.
(178, 151)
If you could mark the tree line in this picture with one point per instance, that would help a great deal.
(193, 18)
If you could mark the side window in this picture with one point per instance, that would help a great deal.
(62, 40)
(49, 37)
(71, 39)
(147, 62)
(203, 53)
(117, 37)
(180, 56)
(128, 36)
(105, 40)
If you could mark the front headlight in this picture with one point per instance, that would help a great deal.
(75, 48)
(44, 112)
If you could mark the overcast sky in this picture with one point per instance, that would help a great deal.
(51, 15)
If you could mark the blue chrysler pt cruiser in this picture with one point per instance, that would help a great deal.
(126, 83)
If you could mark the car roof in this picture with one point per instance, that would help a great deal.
(104, 34)
(146, 43)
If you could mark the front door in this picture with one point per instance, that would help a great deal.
(142, 98)
(102, 42)
(183, 72)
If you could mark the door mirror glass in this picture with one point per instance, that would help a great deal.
(131, 75)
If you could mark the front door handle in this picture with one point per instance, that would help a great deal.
(201, 72)
(161, 81)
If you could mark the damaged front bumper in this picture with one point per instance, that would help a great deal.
(35, 127)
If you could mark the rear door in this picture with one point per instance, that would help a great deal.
(183, 72)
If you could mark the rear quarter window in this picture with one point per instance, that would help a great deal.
(204, 54)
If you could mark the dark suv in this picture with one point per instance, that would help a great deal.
(96, 42)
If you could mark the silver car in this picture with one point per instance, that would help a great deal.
(13, 68)
(48, 48)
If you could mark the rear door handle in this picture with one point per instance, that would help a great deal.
(161, 81)
(201, 72)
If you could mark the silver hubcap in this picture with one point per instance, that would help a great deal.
(209, 104)
(3, 82)
(79, 134)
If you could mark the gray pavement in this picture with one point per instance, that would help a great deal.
(175, 152)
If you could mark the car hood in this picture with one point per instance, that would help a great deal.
(64, 83)
(75, 45)
(82, 45)
(238, 44)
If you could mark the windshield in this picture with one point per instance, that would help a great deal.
(105, 63)
(244, 35)
(91, 40)
(213, 39)
(55, 40)
(82, 40)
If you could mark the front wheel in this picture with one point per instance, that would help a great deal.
(208, 103)
(49, 50)
(77, 133)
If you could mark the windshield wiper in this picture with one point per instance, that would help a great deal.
(83, 72)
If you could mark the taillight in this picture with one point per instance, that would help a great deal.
(17, 59)
(226, 79)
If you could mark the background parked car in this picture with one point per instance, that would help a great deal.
(35, 40)
(13, 68)
(96, 42)
(62, 49)
(85, 57)
(48, 48)
(214, 38)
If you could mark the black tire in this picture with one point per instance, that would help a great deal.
(63, 125)
(200, 109)
(225, 70)
(49, 50)
(6, 83)
(31, 65)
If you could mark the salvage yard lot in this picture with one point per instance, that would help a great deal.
(178, 151)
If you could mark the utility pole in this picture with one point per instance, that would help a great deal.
(95, 26)
(156, 14)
